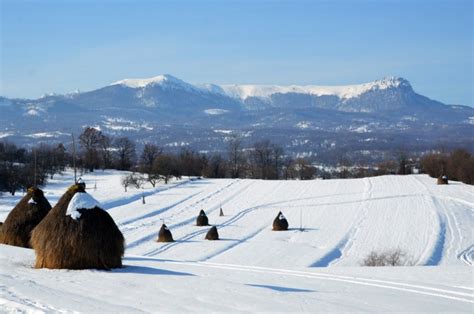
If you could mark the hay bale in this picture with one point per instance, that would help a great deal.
(164, 235)
(280, 223)
(202, 219)
(212, 234)
(77, 234)
(221, 213)
(442, 180)
(24, 217)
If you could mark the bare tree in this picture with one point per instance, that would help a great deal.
(394, 257)
(165, 166)
(304, 169)
(126, 182)
(148, 156)
(125, 151)
(89, 141)
(236, 157)
(105, 147)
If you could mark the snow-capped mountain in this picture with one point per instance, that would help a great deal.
(384, 94)
(307, 120)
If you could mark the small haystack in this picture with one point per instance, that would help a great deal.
(202, 219)
(221, 213)
(24, 217)
(77, 234)
(442, 180)
(212, 234)
(164, 235)
(280, 223)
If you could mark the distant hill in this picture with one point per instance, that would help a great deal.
(364, 121)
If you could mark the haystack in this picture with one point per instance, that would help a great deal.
(442, 180)
(77, 234)
(280, 223)
(164, 235)
(202, 219)
(212, 234)
(24, 217)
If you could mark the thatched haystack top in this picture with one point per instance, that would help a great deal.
(212, 234)
(37, 195)
(280, 223)
(442, 180)
(81, 201)
(164, 235)
(24, 217)
(202, 219)
(78, 187)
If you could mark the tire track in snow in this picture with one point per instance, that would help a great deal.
(156, 212)
(167, 208)
(446, 220)
(391, 285)
(17, 301)
(228, 222)
(201, 231)
(133, 198)
(251, 235)
(188, 220)
(467, 256)
(344, 246)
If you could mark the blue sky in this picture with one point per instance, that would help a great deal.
(61, 46)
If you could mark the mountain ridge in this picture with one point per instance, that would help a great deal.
(307, 121)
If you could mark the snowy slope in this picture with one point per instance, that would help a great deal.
(253, 268)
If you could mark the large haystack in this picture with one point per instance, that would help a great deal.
(77, 234)
(24, 217)
(442, 180)
(280, 223)
(202, 219)
(164, 235)
(212, 234)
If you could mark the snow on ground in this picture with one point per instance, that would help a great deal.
(253, 268)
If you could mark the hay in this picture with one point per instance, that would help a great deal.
(442, 180)
(280, 223)
(202, 219)
(24, 217)
(164, 235)
(90, 241)
(212, 234)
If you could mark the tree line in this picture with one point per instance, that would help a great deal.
(21, 168)
(458, 165)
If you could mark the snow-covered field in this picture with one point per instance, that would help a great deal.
(252, 268)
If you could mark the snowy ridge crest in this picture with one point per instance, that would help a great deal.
(265, 91)
(163, 80)
(343, 91)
